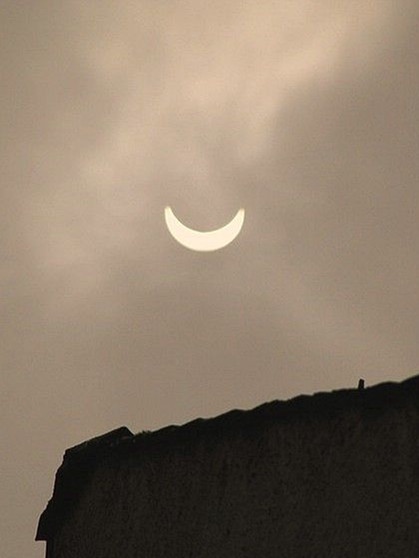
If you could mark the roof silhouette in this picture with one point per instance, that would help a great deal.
(80, 461)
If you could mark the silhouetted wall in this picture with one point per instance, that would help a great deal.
(332, 475)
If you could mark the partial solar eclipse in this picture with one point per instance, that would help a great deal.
(202, 241)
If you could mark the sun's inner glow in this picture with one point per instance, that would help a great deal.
(204, 241)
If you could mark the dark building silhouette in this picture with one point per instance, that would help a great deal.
(331, 475)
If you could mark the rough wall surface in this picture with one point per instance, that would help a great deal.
(334, 475)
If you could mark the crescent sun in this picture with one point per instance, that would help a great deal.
(202, 241)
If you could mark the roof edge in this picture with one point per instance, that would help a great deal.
(72, 477)
(80, 461)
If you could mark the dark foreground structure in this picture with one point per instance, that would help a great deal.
(331, 475)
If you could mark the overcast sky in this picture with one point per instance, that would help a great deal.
(304, 113)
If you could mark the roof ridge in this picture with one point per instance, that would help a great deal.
(80, 461)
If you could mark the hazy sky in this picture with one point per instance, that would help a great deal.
(304, 113)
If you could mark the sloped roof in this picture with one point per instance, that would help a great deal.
(80, 461)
